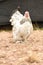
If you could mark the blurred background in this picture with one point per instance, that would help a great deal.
(35, 7)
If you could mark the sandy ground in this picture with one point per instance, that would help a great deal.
(29, 52)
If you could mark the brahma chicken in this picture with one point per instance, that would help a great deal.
(22, 26)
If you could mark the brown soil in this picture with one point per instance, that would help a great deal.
(29, 52)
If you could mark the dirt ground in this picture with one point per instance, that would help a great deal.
(29, 52)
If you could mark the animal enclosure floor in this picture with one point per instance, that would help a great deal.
(29, 52)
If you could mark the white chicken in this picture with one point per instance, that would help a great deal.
(22, 26)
